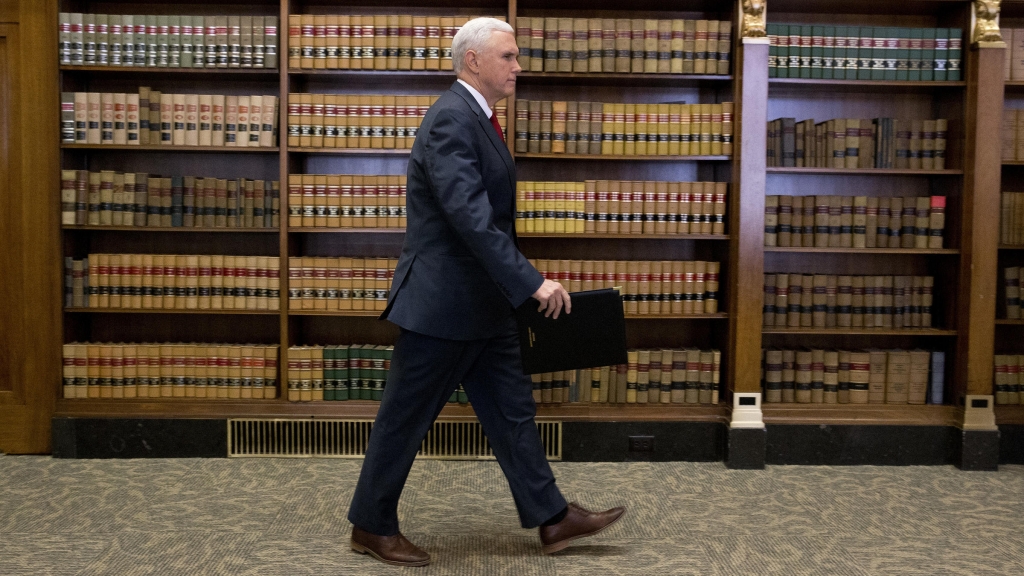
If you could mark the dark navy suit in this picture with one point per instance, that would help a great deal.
(455, 288)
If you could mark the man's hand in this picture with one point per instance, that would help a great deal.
(552, 297)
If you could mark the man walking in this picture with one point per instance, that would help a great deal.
(455, 288)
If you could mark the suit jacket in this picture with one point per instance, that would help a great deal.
(461, 273)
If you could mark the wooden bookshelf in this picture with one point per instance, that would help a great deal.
(1009, 322)
(894, 251)
(174, 229)
(158, 148)
(966, 295)
(861, 414)
(865, 171)
(615, 158)
(234, 312)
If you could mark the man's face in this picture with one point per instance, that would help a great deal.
(498, 66)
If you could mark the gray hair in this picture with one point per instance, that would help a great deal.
(473, 35)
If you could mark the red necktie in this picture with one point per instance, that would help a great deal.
(497, 127)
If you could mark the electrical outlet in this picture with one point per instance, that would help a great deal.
(641, 443)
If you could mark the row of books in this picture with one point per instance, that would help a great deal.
(109, 198)
(854, 221)
(1014, 62)
(345, 372)
(1011, 218)
(1009, 377)
(624, 45)
(316, 283)
(1012, 148)
(621, 207)
(560, 127)
(152, 118)
(855, 143)
(854, 376)
(357, 121)
(687, 376)
(169, 370)
(830, 301)
(1011, 291)
(167, 41)
(372, 42)
(173, 282)
(864, 52)
(647, 287)
(346, 201)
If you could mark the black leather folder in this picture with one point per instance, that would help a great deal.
(594, 334)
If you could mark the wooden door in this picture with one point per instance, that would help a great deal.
(30, 275)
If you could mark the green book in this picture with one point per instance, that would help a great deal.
(953, 55)
(366, 372)
(865, 52)
(151, 40)
(928, 55)
(783, 51)
(914, 58)
(902, 53)
(839, 60)
(174, 41)
(878, 52)
(377, 373)
(892, 48)
(794, 51)
(941, 54)
(817, 51)
(805, 51)
(773, 50)
(186, 42)
(342, 370)
(852, 61)
(828, 53)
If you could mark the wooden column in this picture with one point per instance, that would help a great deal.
(746, 217)
(30, 260)
(979, 214)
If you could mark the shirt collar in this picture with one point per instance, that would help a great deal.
(478, 96)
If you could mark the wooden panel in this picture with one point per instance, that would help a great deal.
(746, 221)
(979, 213)
(30, 291)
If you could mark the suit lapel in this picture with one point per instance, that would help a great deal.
(492, 134)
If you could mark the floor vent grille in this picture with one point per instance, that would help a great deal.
(315, 438)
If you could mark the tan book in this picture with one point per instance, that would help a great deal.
(93, 118)
(595, 44)
(107, 118)
(217, 120)
(191, 131)
(433, 43)
(119, 126)
(564, 45)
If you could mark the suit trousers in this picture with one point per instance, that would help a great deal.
(425, 371)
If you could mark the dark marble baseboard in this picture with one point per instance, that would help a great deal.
(673, 441)
(860, 445)
(1011, 444)
(139, 438)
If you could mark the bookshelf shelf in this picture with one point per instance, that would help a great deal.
(148, 148)
(367, 409)
(823, 85)
(620, 79)
(375, 313)
(768, 330)
(1009, 322)
(351, 151)
(176, 229)
(523, 235)
(609, 157)
(224, 73)
(865, 171)
(860, 414)
(1010, 247)
(1013, 162)
(169, 311)
(325, 230)
(585, 236)
(1009, 414)
(900, 251)
(411, 74)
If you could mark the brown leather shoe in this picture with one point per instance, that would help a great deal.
(389, 549)
(578, 523)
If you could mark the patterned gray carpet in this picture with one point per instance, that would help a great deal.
(287, 517)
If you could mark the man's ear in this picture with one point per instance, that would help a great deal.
(471, 61)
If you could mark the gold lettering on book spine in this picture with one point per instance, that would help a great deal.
(753, 19)
(986, 21)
